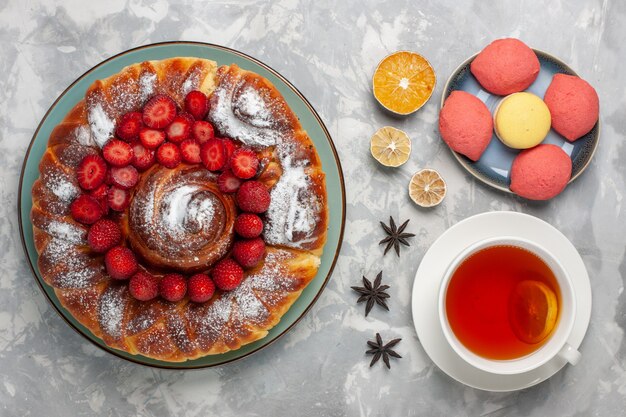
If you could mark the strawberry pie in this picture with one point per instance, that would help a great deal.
(181, 209)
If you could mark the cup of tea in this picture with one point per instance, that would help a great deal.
(507, 306)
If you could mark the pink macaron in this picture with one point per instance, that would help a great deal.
(573, 104)
(505, 66)
(540, 173)
(465, 124)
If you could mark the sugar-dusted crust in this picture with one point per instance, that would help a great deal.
(297, 220)
(157, 224)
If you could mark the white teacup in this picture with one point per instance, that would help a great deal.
(557, 345)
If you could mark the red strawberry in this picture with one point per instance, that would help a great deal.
(227, 274)
(101, 195)
(212, 154)
(128, 127)
(179, 129)
(108, 180)
(104, 235)
(203, 131)
(197, 104)
(100, 192)
(173, 287)
(119, 198)
(190, 149)
(248, 225)
(249, 252)
(143, 158)
(117, 153)
(159, 112)
(228, 182)
(187, 117)
(91, 172)
(120, 262)
(125, 177)
(244, 163)
(253, 197)
(151, 138)
(143, 286)
(168, 155)
(200, 288)
(229, 150)
(86, 209)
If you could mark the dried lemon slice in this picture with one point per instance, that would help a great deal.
(427, 188)
(533, 310)
(390, 146)
(403, 82)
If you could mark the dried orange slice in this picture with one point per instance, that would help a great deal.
(390, 146)
(533, 310)
(427, 188)
(403, 82)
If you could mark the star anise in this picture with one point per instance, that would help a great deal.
(373, 293)
(380, 350)
(396, 236)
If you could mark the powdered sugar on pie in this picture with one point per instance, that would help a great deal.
(294, 210)
(102, 126)
(247, 114)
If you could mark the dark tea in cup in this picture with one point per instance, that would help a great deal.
(503, 302)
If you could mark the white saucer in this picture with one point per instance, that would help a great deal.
(433, 267)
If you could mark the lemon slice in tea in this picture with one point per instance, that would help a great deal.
(390, 146)
(427, 188)
(533, 310)
(403, 82)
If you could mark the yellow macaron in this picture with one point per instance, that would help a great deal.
(522, 120)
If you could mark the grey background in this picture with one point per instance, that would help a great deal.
(328, 50)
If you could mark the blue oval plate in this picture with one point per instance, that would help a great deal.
(223, 56)
(495, 163)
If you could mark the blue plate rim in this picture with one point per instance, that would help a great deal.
(176, 365)
(462, 159)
